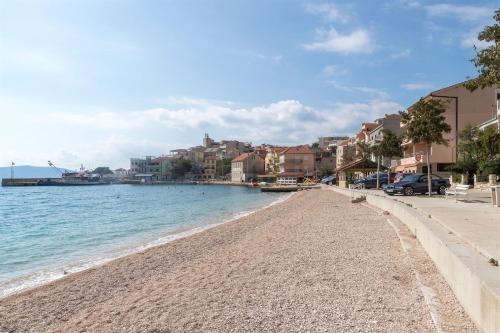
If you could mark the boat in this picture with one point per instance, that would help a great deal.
(73, 178)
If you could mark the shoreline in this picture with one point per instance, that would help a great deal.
(31, 281)
(314, 262)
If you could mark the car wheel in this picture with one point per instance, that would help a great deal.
(408, 190)
(442, 190)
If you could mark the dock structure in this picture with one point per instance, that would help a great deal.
(23, 181)
(279, 188)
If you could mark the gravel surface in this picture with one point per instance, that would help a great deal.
(315, 262)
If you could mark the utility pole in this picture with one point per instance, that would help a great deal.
(378, 170)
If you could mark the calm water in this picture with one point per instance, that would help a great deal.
(45, 231)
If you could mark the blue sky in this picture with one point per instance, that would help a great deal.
(97, 82)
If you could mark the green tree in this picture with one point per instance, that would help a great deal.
(362, 150)
(223, 167)
(487, 146)
(467, 152)
(103, 171)
(478, 151)
(426, 124)
(487, 61)
(180, 167)
(349, 155)
(390, 147)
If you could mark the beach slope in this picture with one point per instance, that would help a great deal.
(315, 262)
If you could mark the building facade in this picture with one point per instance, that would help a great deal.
(246, 167)
(463, 108)
(298, 159)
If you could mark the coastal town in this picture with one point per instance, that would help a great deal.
(348, 158)
(336, 167)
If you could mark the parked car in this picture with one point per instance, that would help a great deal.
(400, 175)
(371, 180)
(330, 180)
(417, 183)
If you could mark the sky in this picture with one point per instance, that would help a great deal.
(97, 82)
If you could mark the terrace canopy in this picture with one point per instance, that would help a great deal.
(355, 170)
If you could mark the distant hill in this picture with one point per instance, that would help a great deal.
(26, 171)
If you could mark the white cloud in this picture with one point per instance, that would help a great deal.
(283, 122)
(358, 41)
(328, 11)
(380, 94)
(417, 86)
(410, 3)
(464, 13)
(368, 91)
(332, 70)
(402, 54)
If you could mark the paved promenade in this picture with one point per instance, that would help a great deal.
(473, 219)
(461, 238)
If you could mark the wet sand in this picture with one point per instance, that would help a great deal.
(315, 262)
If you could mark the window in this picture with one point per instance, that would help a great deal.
(424, 169)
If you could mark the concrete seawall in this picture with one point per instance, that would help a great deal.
(475, 282)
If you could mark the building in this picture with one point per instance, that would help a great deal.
(179, 152)
(326, 141)
(120, 173)
(153, 167)
(346, 152)
(391, 122)
(464, 108)
(210, 164)
(246, 167)
(298, 159)
(494, 120)
(207, 141)
(197, 157)
(272, 159)
(137, 165)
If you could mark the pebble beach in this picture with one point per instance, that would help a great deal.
(313, 263)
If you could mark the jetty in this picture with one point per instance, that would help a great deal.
(24, 181)
(279, 188)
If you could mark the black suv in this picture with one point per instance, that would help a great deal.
(417, 183)
(371, 180)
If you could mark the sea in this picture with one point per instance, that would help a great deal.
(48, 232)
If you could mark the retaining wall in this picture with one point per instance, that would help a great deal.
(475, 282)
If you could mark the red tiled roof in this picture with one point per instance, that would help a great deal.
(344, 143)
(240, 158)
(297, 150)
(279, 149)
